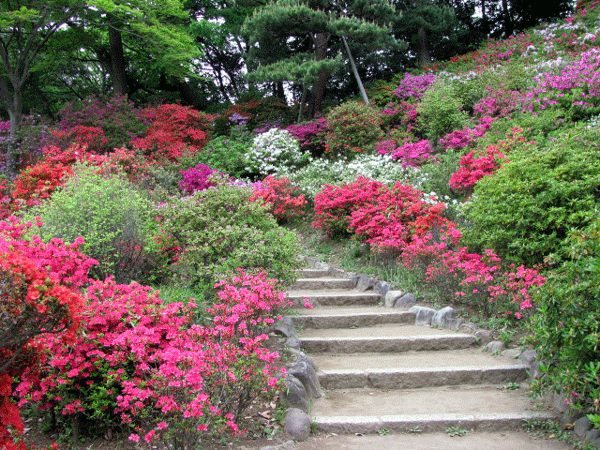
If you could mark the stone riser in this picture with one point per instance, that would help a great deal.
(385, 345)
(313, 273)
(418, 378)
(323, 283)
(349, 321)
(335, 299)
(427, 423)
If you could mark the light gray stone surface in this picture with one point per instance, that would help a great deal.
(297, 424)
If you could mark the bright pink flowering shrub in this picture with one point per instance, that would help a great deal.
(197, 178)
(311, 135)
(413, 154)
(39, 294)
(279, 197)
(144, 363)
(473, 168)
(467, 136)
(414, 86)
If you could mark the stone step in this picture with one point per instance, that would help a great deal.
(393, 378)
(323, 283)
(433, 409)
(333, 297)
(312, 273)
(350, 316)
(382, 339)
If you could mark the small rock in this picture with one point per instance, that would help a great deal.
(301, 356)
(365, 283)
(512, 353)
(382, 288)
(440, 317)
(288, 445)
(337, 273)
(354, 279)
(293, 342)
(407, 301)
(321, 265)
(391, 297)
(468, 327)
(453, 324)
(484, 336)
(582, 426)
(528, 357)
(591, 435)
(423, 315)
(570, 417)
(284, 326)
(297, 424)
(306, 374)
(495, 346)
(294, 395)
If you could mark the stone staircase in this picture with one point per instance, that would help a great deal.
(382, 374)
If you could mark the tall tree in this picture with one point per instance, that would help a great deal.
(302, 41)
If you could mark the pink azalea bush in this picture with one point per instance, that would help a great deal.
(145, 364)
(197, 178)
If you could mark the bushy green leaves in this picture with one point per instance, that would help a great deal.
(525, 211)
(219, 230)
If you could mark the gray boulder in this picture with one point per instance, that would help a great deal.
(382, 288)
(294, 395)
(484, 336)
(297, 424)
(582, 426)
(495, 346)
(390, 298)
(307, 375)
(293, 342)
(423, 315)
(441, 317)
(407, 301)
(284, 327)
(365, 283)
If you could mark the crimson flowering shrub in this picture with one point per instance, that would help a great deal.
(197, 178)
(279, 197)
(143, 364)
(38, 182)
(101, 123)
(39, 285)
(311, 136)
(176, 131)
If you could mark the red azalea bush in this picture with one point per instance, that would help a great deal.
(92, 138)
(38, 295)
(175, 131)
(38, 182)
(282, 199)
(143, 364)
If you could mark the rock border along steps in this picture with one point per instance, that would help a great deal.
(376, 369)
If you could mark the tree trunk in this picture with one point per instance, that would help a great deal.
(508, 23)
(423, 53)
(117, 62)
(318, 90)
(363, 93)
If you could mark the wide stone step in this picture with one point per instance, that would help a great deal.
(312, 273)
(431, 409)
(382, 339)
(350, 316)
(393, 378)
(323, 283)
(333, 297)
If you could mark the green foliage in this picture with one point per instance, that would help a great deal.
(526, 210)
(113, 218)
(567, 324)
(226, 153)
(441, 111)
(219, 230)
(353, 128)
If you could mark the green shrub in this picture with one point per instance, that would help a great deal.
(441, 111)
(219, 230)
(566, 326)
(353, 128)
(526, 210)
(113, 218)
(226, 153)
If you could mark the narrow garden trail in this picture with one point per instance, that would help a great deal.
(389, 384)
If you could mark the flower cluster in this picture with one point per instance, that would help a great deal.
(311, 135)
(274, 150)
(197, 178)
(414, 86)
(282, 199)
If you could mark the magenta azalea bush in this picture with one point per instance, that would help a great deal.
(197, 178)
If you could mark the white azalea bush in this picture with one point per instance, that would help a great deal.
(274, 151)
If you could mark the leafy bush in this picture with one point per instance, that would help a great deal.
(113, 218)
(353, 128)
(273, 150)
(566, 324)
(226, 154)
(525, 211)
(220, 230)
(440, 111)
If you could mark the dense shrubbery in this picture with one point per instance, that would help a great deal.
(273, 151)
(220, 230)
